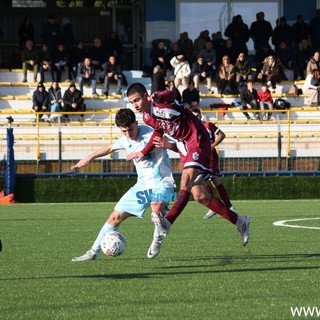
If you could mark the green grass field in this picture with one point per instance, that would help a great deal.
(203, 271)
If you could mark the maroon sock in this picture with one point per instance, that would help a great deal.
(224, 195)
(217, 206)
(180, 203)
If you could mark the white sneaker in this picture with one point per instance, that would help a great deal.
(162, 223)
(209, 214)
(243, 228)
(89, 255)
(232, 208)
(155, 247)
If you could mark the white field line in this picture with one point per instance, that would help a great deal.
(284, 223)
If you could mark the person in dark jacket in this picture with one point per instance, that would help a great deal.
(86, 74)
(158, 82)
(55, 98)
(40, 100)
(112, 72)
(30, 59)
(73, 101)
(249, 100)
(191, 96)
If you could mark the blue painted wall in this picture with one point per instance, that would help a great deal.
(292, 8)
(160, 10)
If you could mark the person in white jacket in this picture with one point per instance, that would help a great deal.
(182, 71)
(311, 87)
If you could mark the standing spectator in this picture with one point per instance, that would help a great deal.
(113, 72)
(25, 32)
(249, 100)
(158, 82)
(172, 87)
(40, 100)
(300, 30)
(314, 62)
(77, 55)
(55, 98)
(216, 137)
(218, 44)
(182, 71)
(302, 55)
(86, 74)
(239, 33)
(186, 46)
(191, 97)
(200, 42)
(159, 56)
(62, 60)
(270, 71)
(228, 50)
(266, 101)
(30, 58)
(282, 32)
(284, 54)
(202, 71)
(51, 33)
(98, 54)
(46, 63)
(227, 77)
(73, 101)
(243, 70)
(114, 47)
(67, 35)
(314, 31)
(260, 31)
(311, 87)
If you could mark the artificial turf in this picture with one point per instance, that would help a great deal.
(203, 271)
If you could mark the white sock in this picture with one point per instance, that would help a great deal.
(156, 232)
(105, 229)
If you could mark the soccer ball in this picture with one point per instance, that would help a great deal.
(113, 244)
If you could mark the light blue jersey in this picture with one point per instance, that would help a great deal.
(155, 181)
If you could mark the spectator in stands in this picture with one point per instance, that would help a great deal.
(98, 54)
(113, 73)
(171, 86)
(30, 59)
(159, 56)
(266, 101)
(201, 71)
(46, 63)
(227, 77)
(260, 31)
(73, 101)
(62, 60)
(282, 32)
(86, 74)
(314, 62)
(40, 100)
(182, 71)
(229, 50)
(114, 47)
(158, 82)
(191, 97)
(200, 41)
(218, 44)
(78, 54)
(25, 32)
(270, 72)
(285, 56)
(239, 33)
(243, 69)
(249, 100)
(186, 46)
(51, 33)
(300, 30)
(302, 55)
(311, 87)
(208, 53)
(314, 31)
(172, 52)
(263, 52)
(55, 98)
(67, 35)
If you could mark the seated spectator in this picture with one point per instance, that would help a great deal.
(270, 72)
(202, 71)
(78, 54)
(171, 86)
(182, 71)
(266, 101)
(243, 70)
(73, 101)
(209, 53)
(264, 51)
(98, 54)
(191, 96)
(311, 87)
(30, 58)
(249, 100)
(40, 100)
(227, 77)
(114, 47)
(284, 54)
(46, 63)
(172, 52)
(219, 44)
(302, 54)
(158, 82)
(62, 60)
(86, 74)
(229, 50)
(186, 46)
(313, 62)
(113, 73)
(55, 98)
(159, 56)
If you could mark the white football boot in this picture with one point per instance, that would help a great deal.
(162, 223)
(209, 214)
(89, 255)
(243, 224)
(155, 247)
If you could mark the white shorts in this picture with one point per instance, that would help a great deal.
(138, 199)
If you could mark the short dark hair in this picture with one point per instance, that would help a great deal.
(136, 88)
(125, 118)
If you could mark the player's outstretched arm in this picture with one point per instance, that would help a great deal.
(135, 155)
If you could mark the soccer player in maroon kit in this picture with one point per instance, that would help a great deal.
(166, 116)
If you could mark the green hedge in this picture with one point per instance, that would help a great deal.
(111, 189)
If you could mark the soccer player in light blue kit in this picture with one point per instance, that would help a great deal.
(154, 187)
